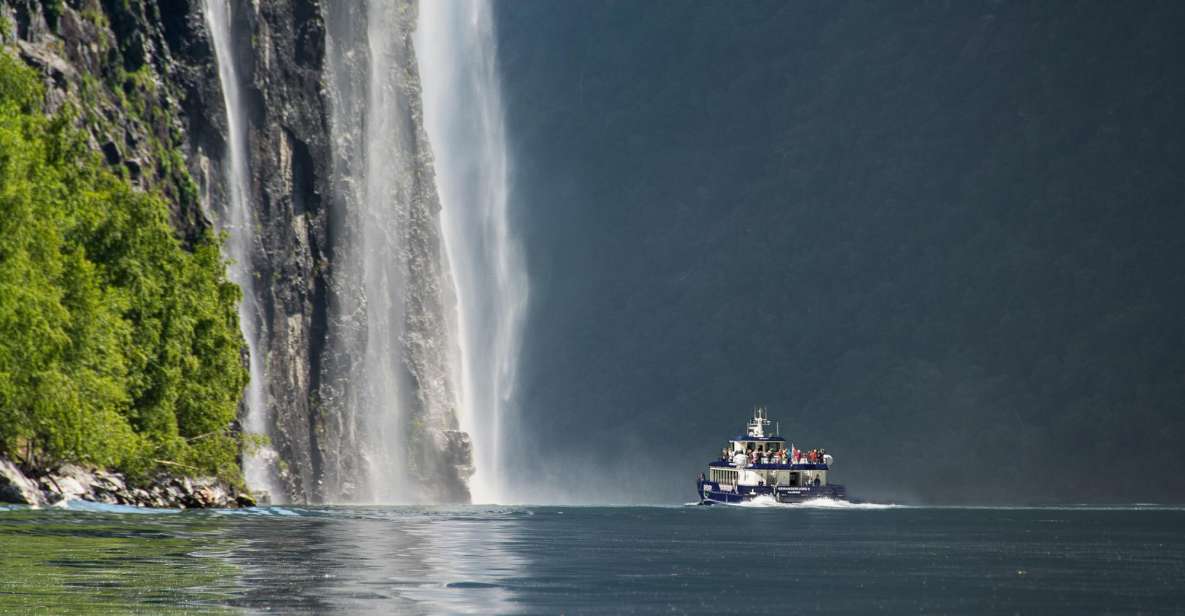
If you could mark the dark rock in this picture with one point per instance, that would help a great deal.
(111, 153)
(134, 169)
(16, 488)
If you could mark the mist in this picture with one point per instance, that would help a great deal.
(942, 241)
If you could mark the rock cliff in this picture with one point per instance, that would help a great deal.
(143, 74)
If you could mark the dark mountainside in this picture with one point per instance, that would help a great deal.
(943, 240)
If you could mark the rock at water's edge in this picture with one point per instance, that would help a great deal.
(16, 488)
(72, 482)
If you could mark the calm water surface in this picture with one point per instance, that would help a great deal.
(593, 559)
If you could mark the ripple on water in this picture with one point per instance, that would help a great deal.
(305, 560)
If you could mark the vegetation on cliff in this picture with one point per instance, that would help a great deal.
(117, 346)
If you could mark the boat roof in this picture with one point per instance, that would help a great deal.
(745, 437)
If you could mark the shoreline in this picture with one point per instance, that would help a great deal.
(54, 487)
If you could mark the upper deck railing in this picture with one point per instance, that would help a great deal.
(804, 466)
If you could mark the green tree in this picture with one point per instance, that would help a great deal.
(117, 346)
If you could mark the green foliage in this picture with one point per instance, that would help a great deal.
(117, 347)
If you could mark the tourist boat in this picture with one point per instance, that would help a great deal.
(760, 465)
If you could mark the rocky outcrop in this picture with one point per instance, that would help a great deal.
(73, 483)
(15, 487)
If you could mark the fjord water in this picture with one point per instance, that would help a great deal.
(594, 560)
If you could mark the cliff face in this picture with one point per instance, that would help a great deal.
(142, 84)
(144, 75)
(281, 47)
(354, 289)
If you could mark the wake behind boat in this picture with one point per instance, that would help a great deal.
(758, 465)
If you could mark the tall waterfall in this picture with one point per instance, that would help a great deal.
(424, 289)
(464, 120)
(390, 397)
(235, 216)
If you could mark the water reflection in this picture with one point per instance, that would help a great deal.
(317, 561)
(97, 563)
(357, 560)
(550, 560)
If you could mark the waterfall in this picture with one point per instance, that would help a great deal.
(390, 397)
(235, 216)
(425, 290)
(464, 120)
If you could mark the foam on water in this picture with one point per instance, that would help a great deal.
(814, 503)
(93, 507)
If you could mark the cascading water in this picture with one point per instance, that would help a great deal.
(234, 215)
(389, 398)
(464, 120)
(423, 304)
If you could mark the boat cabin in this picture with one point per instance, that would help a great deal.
(761, 463)
(760, 459)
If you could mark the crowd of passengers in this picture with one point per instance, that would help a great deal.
(798, 456)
